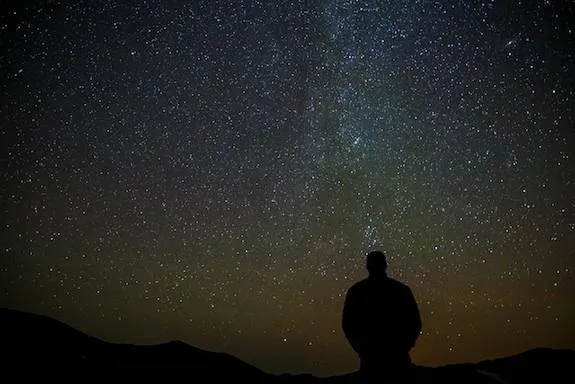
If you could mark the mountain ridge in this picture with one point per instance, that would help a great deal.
(36, 340)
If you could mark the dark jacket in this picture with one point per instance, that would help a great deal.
(380, 313)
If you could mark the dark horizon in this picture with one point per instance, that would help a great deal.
(31, 340)
(215, 172)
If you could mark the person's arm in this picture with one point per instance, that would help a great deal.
(414, 318)
(349, 320)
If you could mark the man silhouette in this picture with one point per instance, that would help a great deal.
(381, 322)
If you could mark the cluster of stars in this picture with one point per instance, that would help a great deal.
(215, 172)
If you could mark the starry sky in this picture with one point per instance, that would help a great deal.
(215, 171)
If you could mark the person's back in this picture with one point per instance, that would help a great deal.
(381, 320)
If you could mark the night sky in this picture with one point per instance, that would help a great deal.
(215, 172)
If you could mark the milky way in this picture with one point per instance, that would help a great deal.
(215, 172)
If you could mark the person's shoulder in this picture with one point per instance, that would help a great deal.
(358, 286)
(398, 284)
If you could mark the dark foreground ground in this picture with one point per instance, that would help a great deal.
(35, 347)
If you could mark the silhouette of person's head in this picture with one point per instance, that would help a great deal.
(376, 263)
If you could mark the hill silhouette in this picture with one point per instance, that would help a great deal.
(37, 345)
